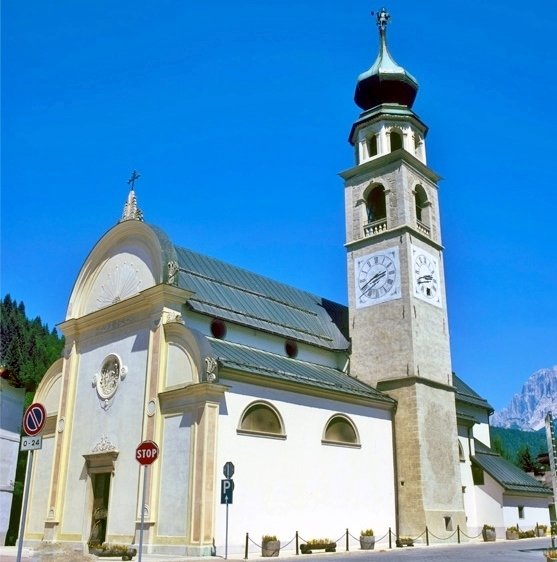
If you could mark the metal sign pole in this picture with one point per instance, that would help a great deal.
(142, 511)
(24, 506)
(226, 539)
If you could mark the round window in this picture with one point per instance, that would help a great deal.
(109, 377)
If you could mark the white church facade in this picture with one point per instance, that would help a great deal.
(335, 417)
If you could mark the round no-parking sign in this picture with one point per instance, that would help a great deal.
(34, 419)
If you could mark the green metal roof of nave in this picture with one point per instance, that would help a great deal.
(507, 474)
(231, 293)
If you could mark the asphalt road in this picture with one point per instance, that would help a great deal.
(524, 550)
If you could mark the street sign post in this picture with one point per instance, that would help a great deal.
(226, 489)
(33, 422)
(146, 453)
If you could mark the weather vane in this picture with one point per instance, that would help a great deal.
(382, 17)
(134, 177)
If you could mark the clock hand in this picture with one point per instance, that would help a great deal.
(373, 281)
(425, 279)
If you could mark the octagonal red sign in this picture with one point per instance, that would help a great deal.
(147, 452)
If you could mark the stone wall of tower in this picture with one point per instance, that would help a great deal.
(426, 444)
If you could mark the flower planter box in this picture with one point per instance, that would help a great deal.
(126, 552)
(512, 535)
(541, 532)
(404, 541)
(367, 542)
(270, 548)
(489, 535)
(310, 548)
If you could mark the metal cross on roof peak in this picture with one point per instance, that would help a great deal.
(134, 177)
(382, 18)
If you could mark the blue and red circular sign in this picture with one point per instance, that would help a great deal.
(34, 419)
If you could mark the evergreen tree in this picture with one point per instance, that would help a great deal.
(525, 460)
(27, 347)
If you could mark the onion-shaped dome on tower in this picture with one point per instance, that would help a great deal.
(385, 81)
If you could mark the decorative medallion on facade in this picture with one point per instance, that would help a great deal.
(121, 282)
(173, 270)
(104, 445)
(211, 369)
(106, 382)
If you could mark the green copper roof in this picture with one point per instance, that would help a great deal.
(466, 394)
(277, 367)
(507, 474)
(230, 293)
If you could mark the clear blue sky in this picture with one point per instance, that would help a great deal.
(236, 114)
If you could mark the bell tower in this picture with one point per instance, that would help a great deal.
(396, 288)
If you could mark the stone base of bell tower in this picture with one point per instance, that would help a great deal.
(429, 488)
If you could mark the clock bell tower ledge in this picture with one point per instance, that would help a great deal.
(396, 292)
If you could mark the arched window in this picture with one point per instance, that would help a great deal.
(461, 456)
(375, 204)
(340, 431)
(372, 146)
(422, 209)
(261, 418)
(376, 211)
(396, 140)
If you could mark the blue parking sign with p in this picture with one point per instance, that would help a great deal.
(226, 489)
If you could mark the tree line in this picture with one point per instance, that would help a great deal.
(27, 349)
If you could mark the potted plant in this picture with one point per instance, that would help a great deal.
(488, 533)
(270, 545)
(541, 530)
(367, 540)
(404, 541)
(512, 533)
(550, 555)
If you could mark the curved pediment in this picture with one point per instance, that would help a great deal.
(128, 259)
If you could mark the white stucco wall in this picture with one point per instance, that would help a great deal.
(39, 497)
(120, 423)
(536, 511)
(489, 498)
(175, 475)
(11, 413)
(300, 484)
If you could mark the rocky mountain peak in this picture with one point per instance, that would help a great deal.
(529, 407)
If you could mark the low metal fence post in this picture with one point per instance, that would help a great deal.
(346, 540)
(297, 544)
(458, 533)
(246, 548)
(390, 539)
(426, 536)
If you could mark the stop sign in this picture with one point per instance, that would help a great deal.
(147, 452)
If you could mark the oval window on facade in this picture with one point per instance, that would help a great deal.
(340, 430)
(263, 419)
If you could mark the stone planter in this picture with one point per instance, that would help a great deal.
(404, 541)
(488, 535)
(367, 542)
(327, 547)
(270, 548)
(512, 535)
(541, 532)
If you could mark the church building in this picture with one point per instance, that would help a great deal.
(335, 417)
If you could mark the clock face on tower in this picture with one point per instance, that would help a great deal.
(425, 272)
(377, 277)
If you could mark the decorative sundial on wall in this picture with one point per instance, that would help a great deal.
(107, 380)
(119, 282)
